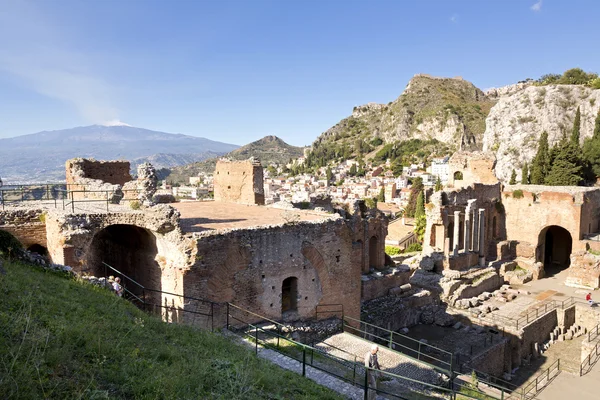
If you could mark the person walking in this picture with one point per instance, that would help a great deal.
(588, 298)
(372, 364)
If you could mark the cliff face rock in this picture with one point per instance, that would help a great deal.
(450, 110)
(497, 93)
(515, 124)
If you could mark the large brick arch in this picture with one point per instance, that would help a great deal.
(555, 244)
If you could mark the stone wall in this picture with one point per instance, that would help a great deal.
(474, 167)
(91, 179)
(536, 332)
(27, 226)
(248, 267)
(239, 182)
(114, 172)
(378, 286)
(493, 360)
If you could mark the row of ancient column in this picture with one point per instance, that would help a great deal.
(474, 231)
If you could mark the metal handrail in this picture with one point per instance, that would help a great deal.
(588, 362)
(533, 385)
(145, 303)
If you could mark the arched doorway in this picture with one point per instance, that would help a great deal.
(39, 249)
(132, 251)
(556, 251)
(373, 252)
(289, 295)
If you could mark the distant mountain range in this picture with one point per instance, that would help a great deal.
(269, 150)
(41, 157)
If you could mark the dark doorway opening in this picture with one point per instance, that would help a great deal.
(373, 255)
(557, 250)
(289, 295)
(39, 249)
(131, 250)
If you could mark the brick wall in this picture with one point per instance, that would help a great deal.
(378, 287)
(248, 266)
(27, 226)
(239, 182)
(537, 332)
(493, 360)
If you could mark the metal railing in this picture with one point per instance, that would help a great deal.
(593, 333)
(348, 368)
(202, 311)
(412, 348)
(590, 360)
(67, 195)
(531, 389)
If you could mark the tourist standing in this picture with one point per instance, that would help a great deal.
(117, 287)
(372, 363)
(588, 298)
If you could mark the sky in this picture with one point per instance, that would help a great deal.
(236, 71)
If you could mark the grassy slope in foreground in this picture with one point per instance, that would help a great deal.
(64, 339)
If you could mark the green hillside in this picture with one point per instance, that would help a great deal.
(269, 149)
(65, 339)
(448, 111)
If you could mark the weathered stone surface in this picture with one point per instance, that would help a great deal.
(515, 123)
(442, 318)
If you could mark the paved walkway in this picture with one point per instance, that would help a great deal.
(337, 385)
(569, 386)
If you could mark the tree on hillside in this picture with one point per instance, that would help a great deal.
(541, 161)
(525, 175)
(416, 188)
(438, 184)
(576, 129)
(329, 174)
(591, 152)
(420, 206)
(381, 197)
(566, 169)
(397, 168)
(353, 170)
(513, 178)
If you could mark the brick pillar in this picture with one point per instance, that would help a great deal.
(455, 243)
(481, 237)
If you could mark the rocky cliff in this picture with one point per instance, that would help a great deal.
(515, 123)
(450, 110)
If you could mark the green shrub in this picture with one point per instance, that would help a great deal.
(371, 203)
(8, 243)
(304, 205)
(135, 205)
(392, 250)
(518, 194)
(414, 247)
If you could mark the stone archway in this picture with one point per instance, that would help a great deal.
(131, 250)
(555, 246)
(39, 249)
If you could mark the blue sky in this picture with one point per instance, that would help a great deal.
(235, 71)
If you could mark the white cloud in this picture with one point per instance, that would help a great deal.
(32, 50)
(537, 6)
(454, 18)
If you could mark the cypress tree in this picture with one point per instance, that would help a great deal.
(381, 197)
(513, 178)
(438, 184)
(525, 175)
(575, 134)
(591, 152)
(420, 207)
(541, 161)
(566, 169)
(329, 174)
(416, 188)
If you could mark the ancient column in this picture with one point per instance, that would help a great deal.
(455, 243)
(481, 237)
(467, 230)
(475, 245)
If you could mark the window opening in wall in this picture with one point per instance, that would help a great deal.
(289, 295)
(458, 176)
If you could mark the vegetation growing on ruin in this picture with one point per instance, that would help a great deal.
(65, 339)
(8, 244)
(518, 194)
(392, 250)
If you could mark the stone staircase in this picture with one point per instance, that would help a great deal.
(345, 345)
